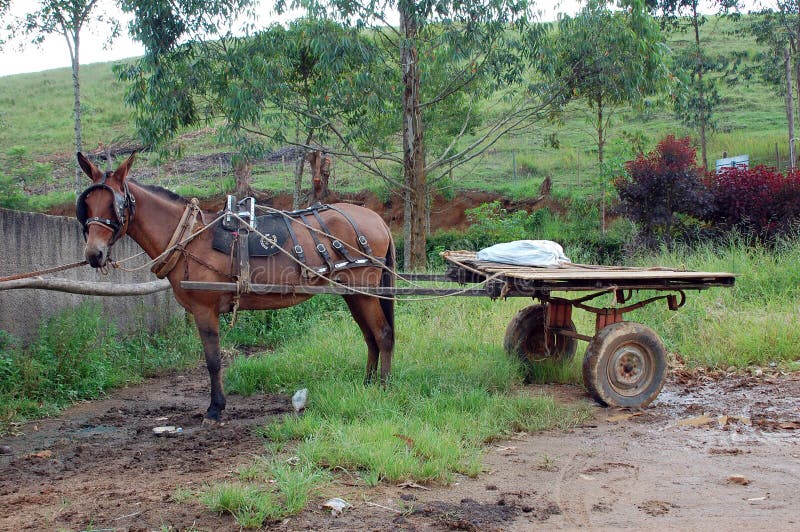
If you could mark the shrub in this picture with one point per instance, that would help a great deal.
(760, 201)
(662, 187)
(11, 196)
(577, 231)
(490, 224)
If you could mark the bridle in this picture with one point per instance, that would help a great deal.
(124, 207)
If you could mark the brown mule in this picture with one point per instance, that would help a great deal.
(113, 206)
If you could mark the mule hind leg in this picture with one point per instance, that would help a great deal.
(378, 334)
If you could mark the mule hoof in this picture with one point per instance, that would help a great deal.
(208, 422)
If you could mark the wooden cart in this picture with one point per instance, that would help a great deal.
(625, 363)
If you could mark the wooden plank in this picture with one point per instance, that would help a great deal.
(563, 275)
(607, 274)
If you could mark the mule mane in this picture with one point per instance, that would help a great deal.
(163, 192)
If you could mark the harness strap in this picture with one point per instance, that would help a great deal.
(186, 225)
(362, 240)
(297, 249)
(319, 246)
(335, 242)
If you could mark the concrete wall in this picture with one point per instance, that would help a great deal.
(30, 241)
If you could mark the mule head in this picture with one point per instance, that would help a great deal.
(105, 209)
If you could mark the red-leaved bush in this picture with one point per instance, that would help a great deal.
(660, 187)
(759, 200)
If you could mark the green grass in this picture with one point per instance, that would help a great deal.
(755, 323)
(250, 506)
(452, 391)
(78, 355)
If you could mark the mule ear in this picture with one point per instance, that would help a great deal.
(88, 168)
(122, 172)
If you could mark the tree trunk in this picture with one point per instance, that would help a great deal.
(298, 171)
(320, 176)
(415, 206)
(243, 171)
(601, 141)
(76, 87)
(789, 105)
(796, 83)
(700, 91)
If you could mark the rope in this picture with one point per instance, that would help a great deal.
(116, 264)
(43, 272)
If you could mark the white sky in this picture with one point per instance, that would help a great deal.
(54, 54)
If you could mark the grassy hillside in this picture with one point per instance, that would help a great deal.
(36, 136)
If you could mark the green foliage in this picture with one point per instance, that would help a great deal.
(490, 224)
(749, 118)
(609, 58)
(309, 77)
(77, 355)
(775, 29)
(11, 196)
(578, 231)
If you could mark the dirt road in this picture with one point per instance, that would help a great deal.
(718, 453)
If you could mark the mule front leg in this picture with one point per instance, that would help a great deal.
(208, 328)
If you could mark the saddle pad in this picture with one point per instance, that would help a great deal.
(270, 225)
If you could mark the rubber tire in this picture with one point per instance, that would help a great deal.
(637, 343)
(525, 338)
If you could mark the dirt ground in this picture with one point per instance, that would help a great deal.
(714, 451)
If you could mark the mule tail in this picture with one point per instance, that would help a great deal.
(387, 280)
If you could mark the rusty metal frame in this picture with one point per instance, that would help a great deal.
(558, 315)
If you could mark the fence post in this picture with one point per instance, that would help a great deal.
(514, 163)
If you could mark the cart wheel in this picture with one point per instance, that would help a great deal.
(625, 365)
(525, 338)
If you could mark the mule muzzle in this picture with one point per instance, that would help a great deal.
(96, 256)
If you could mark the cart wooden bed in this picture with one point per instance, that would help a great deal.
(625, 364)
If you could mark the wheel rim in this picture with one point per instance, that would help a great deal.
(630, 369)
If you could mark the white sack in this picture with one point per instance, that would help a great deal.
(541, 253)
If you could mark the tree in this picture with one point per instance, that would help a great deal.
(451, 56)
(661, 185)
(67, 18)
(695, 103)
(779, 31)
(422, 80)
(609, 58)
(309, 78)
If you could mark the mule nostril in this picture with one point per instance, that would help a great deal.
(95, 257)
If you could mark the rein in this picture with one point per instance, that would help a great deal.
(43, 272)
